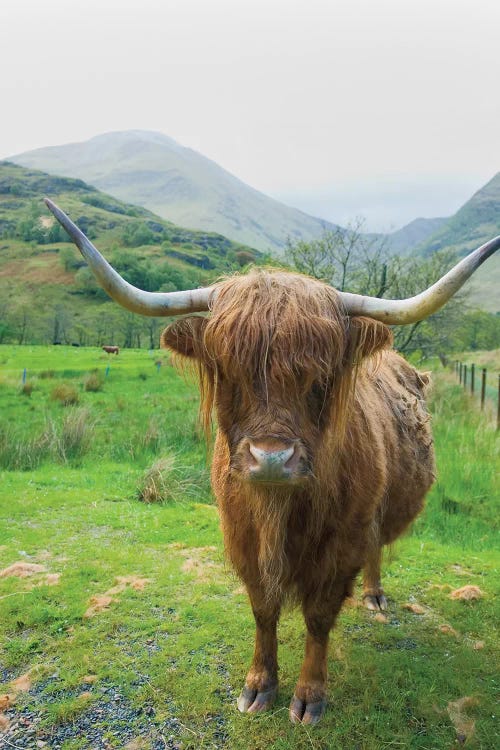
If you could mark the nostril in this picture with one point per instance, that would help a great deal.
(252, 456)
(294, 460)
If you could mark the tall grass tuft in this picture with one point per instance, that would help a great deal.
(93, 382)
(156, 484)
(21, 453)
(76, 434)
(65, 393)
(69, 440)
(166, 482)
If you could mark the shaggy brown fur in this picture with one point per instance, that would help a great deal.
(282, 364)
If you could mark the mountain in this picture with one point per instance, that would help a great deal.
(404, 240)
(44, 280)
(476, 222)
(152, 170)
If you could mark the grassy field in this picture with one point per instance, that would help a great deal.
(122, 627)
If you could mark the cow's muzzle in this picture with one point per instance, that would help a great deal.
(272, 461)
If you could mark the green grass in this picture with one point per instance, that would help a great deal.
(168, 660)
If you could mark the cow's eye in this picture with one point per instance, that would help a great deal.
(317, 395)
(317, 401)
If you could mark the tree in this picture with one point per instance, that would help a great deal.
(362, 264)
(478, 330)
(347, 259)
(59, 324)
(136, 233)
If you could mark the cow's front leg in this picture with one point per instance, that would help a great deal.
(261, 684)
(309, 700)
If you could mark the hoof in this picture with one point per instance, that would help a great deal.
(252, 701)
(306, 713)
(375, 603)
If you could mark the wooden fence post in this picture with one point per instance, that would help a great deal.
(464, 383)
(460, 373)
(483, 388)
(472, 373)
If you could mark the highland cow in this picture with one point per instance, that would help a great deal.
(323, 452)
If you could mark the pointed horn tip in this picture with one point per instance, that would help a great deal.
(50, 205)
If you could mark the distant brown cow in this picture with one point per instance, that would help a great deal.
(323, 452)
(111, 349)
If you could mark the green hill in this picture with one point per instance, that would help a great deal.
(474, 223)
(150, 169)
(47, 293)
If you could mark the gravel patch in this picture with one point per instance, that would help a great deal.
(110, 721)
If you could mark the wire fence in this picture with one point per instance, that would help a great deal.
(477, 382)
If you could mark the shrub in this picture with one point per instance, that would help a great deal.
(27, 388)
(65, 393)
(46, 374)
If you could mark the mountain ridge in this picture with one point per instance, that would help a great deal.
(152, 170)
(186, 187)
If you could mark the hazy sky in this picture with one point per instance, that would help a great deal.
(387, 108)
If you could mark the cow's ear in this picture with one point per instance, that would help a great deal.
(367, 336)
(185, 336)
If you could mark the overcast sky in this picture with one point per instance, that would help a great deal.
(386, 108)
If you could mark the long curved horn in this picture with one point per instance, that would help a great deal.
(413, 309)
(134, 299)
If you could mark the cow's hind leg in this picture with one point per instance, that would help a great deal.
(373, 593)
(261, 684)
